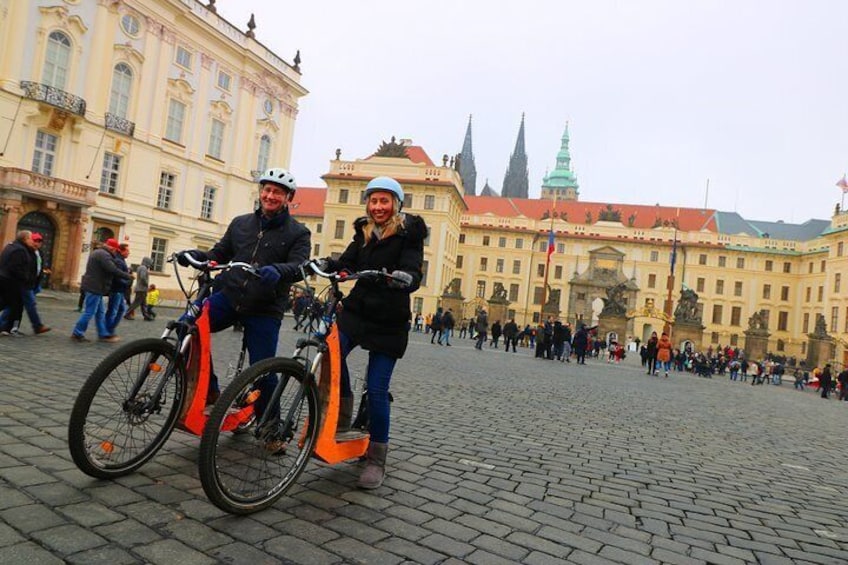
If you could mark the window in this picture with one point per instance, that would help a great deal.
(216, 138)
(319, 227)
(316, 250)
(722, 261)
(717, 311)
(719, 286)
(714, 337)
(769, 265)
(737, 288)
(655, 256)
(734, 340)
(823, 266)
(581, 296)
(519, 243)
(45, 153)
(700, 284)
(837, 282)
(702, 259)
(484, 263)
(540, 270)
(224, 81)
(480, 292)
(652, 281)
(821, 293)
(407, 199)
(845, 329)
(110, 173)
(343, 195)
(740, 262)
(418, 303)
(781, 346)
(429, 202)
(513, 292)
(425, 267)
(56, 60)
(787, 267)
(264, 153)
(340, 228)
(499, 266)
(560, 248)
(176, 117)
(558, 272)
(516, 267)
(782, 321)
(807, 293)
(158, 250)
(537, 294)
(839, 249)
(183, 57)
(810, 267)
(486, 241)
(119, 96)
(130, 25)
(806, 323)
(784, 293)
(834, 318)
(462, 238)
(427, 237)
(207, 205)
(543, 246)
(766, 291)
(166, 190)
(736, 316)
(459, 261)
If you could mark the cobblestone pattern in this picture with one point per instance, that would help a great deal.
(495, 458)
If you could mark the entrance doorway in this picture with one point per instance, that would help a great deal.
(41, 223)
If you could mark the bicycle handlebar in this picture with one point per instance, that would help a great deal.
(342, 276)
(210, 266)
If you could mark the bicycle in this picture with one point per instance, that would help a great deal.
(135, 397)
(242, 474)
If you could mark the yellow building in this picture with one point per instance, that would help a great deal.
(144, 120)
(486, 243)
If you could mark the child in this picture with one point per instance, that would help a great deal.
(152, 300)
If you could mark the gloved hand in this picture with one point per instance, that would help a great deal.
(269, 275)
(400, 279)
(320, 264)
(195, 254)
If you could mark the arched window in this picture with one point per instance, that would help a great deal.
(56, 60)
(119, 101)
(264, 153)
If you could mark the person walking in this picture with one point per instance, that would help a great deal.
(664, 352)
(510, 335)
(28, 296)
(436, 327)
(651, 350)
(496, 334)
(17, 275)
(481, 327)
(580, 343)
(842, 379)
(117, 303)
(142, 285)
(375, 313)
(566, 342)
(825, 381)
(448, 323)
(97, 282)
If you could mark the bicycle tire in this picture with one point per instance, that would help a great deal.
(108, 438)
(238, 472)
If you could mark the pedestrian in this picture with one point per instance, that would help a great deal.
(375, 313)
(436, 327)
(825, 381)
(100, 270)
(29, 294)
(651, 351)
(17, 275)
(117, 304)
(510, 334)
(580, 343)
(842, 379)
(664, 352)
(566, 342)
(496, 334)
(548, 329)
(152, 302)
(142, 284)
(481, 326)
(448, 323)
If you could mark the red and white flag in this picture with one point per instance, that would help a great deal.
(843, 184)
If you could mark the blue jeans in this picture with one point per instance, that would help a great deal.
(261, 334)
(93, 307)
(379, 375)
(28, 298)
(115, 311)
(445, 337)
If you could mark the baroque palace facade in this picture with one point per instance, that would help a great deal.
(143, 120)
(489, 247)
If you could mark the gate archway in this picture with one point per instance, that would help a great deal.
(41, 223)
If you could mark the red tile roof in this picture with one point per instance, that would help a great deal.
(644, 217)
(308, 202)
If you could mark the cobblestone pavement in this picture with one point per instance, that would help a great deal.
(495, 458)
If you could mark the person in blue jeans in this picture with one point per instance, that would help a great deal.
(117, 304)
(97, 282)
(375, 315)
(272, 240)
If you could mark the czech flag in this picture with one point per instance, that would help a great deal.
(550, 244)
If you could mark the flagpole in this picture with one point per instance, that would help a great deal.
(668, 307)
(547, 265)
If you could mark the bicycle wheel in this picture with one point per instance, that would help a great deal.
(110, 433)
(243, 473)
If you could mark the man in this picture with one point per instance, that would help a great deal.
(17, 275)
(118, 292)
(481, 326)
(272, 240)
(448, 324)
(436, 327)
(100, 270)
(510, 334)
(29, 293)
(142, 283)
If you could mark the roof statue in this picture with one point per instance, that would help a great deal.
(454, 288)
(562, 181)
(516, 181)
(391, 149)
(467, 170)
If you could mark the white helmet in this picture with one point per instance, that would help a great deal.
(281, 177)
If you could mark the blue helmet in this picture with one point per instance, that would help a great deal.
(385, 184)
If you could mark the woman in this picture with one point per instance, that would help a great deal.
(664, 352)
(375, 314)
(651, 349)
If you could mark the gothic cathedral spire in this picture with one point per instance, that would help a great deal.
(467, 170)
(516, 182)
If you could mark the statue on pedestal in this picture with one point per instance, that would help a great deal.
(614, 302)
(687, 310)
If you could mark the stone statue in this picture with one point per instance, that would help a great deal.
(454, 288)
(757, 321)
(614, 302)
(687, 307)
(498, 293)
(552, 303)
(821, 326)
(391, 149)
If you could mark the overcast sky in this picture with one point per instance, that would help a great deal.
(659, 95)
